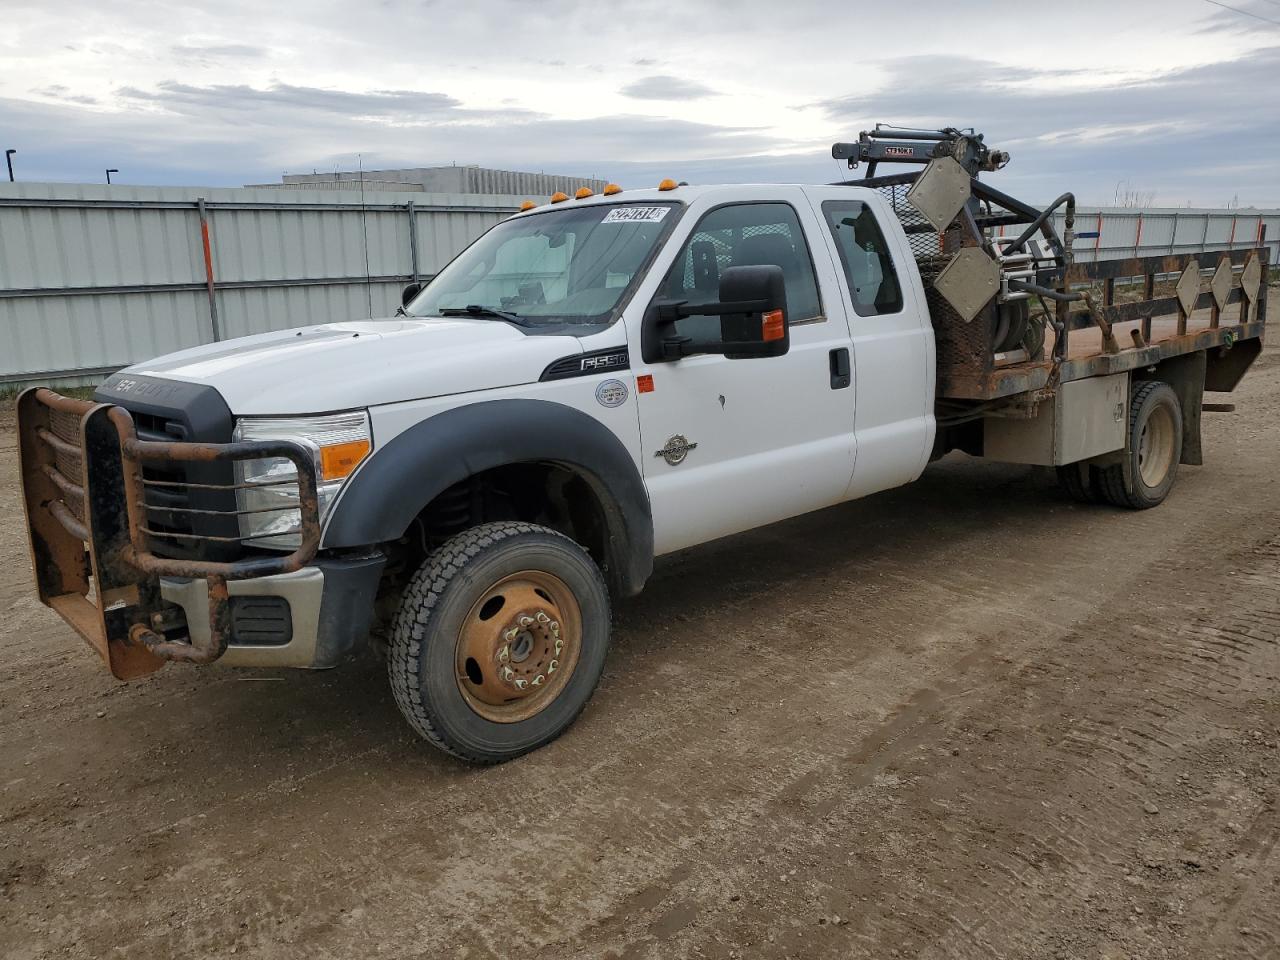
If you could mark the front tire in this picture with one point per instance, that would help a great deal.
(499, 641)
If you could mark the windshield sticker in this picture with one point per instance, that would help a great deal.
(636, 215)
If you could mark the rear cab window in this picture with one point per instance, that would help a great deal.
(868, 265)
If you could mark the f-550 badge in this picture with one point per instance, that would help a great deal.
(676, 449)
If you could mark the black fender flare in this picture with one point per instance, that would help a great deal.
(389, 490)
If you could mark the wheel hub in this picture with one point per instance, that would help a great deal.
(529, 635)
(518, 646)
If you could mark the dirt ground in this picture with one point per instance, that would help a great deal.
(968, 718)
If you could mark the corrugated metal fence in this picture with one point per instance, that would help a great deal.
(1113, 233)
(95, 277)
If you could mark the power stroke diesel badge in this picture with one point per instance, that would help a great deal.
(676, 449)
(611, 393)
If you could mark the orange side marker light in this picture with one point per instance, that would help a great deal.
(340, 459)
(772, 327)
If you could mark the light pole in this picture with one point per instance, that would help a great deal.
(8, 158)
(109, 173)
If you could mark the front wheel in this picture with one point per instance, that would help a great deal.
(499, 641)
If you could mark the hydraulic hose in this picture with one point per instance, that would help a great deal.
(1070, 200)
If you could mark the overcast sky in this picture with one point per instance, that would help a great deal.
(1180, 98)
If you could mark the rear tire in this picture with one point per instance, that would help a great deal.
(499, 641)
(1154, 447)
(1080, 482)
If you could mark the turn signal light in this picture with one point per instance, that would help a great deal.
(340, 459)
(772, 326)
(559, 197)
(527, 205)
(583, 193)
(611, 188)
(668, 184)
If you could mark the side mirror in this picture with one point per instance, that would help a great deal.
(755, 331)
(409, 292)
(753, 319)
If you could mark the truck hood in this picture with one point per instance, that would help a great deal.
(340, 366)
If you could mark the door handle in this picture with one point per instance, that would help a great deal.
(840, 372)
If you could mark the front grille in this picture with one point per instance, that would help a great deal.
(152, 427)
(172, 529)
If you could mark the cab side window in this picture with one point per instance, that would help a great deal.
(737, 235)
(864, 254)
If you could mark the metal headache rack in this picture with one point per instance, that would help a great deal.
(105, 510)
(981, 288)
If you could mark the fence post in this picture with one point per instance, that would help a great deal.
(208, 270)
(413, 242)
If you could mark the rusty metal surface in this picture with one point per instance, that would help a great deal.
(84, 494)
(513, 661)
(1164, 328)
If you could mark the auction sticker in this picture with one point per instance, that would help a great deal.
(636, 215)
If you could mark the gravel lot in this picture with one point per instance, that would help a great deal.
(968, 718)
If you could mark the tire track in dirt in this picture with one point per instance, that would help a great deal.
(1110, 758)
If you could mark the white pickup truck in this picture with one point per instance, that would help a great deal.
(595, 382)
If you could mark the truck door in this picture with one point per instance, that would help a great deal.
(893, 353)
(734, 444)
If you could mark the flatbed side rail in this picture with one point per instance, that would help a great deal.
(1143, 310)
(94, 542)
(1172, 324)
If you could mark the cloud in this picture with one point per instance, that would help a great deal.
(180, 97)
(183, 94)
(56, 91)
(232, 145)
(664, 87)
(217, 51)
(1174, 132)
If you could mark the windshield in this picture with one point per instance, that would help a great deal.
(573, 265)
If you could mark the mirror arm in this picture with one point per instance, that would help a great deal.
(675, 310)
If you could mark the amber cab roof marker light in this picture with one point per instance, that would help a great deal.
(610, 189)
(527, 205)
(582, 193)
(668, 184)
(559, 197)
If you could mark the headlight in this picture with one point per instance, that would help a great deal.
(337, 442)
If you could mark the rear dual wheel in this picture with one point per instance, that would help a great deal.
(1153, 450)
(499, 641)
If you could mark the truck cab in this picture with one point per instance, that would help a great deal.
(595, 382)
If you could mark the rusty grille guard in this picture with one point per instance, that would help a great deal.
(83, 487)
